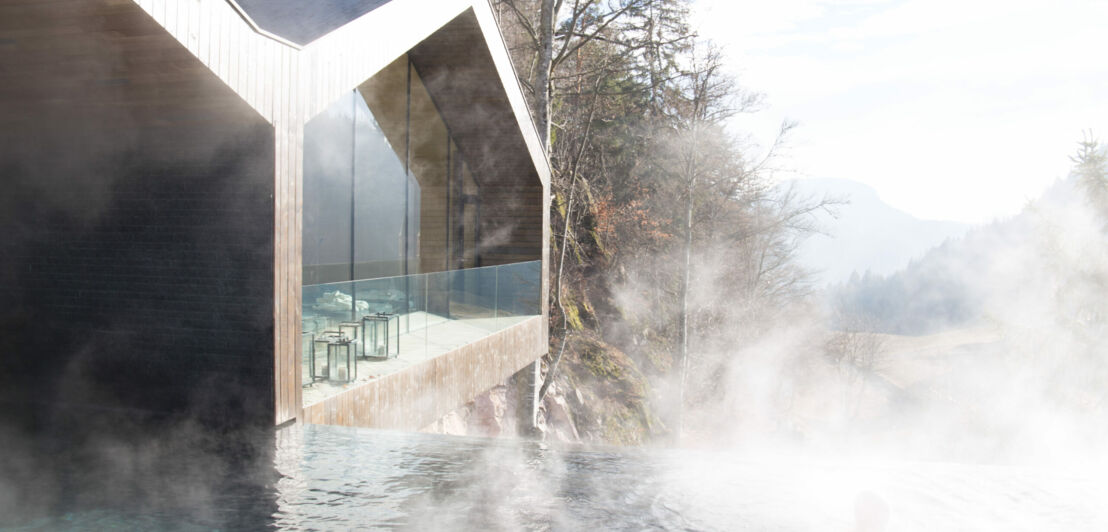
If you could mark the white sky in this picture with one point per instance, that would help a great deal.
(957, 110)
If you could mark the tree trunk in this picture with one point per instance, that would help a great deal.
(858, 398)
(552, 371)
(685, 311)
(547, 16)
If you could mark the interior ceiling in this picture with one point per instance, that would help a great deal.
(459, 72)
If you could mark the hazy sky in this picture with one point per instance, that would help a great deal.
(958, 110)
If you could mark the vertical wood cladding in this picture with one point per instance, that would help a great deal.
(138, 259)
(266, 74)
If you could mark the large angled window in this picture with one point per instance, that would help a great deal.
(391, 223)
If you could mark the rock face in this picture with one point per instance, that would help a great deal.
(557, 420)
(489, 413)
(452, 423)
(493, 415)
(599, 396)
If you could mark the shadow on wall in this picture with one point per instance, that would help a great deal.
(111, 468)
(136, 305)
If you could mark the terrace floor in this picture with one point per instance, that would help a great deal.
(428, 336)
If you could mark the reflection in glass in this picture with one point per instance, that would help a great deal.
(430, 143)
(328, 181)
(379, 199)
(391, 227)
(357, 200)
(307, 357)
(473, 303)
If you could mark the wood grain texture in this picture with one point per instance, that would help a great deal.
(419, 395)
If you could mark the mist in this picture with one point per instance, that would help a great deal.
(709, 381)
(1020, 380)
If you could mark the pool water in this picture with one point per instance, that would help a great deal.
(337, 478)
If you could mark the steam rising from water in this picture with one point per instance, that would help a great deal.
(337, 478)
(1027, 388)
(1023, 385)
(341, 478)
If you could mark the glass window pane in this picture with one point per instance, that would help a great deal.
(379, 199)
(470, 199)
(386, 94)
(328, 174)
(414, 212)
(429, 166)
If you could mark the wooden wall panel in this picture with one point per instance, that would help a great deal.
(287, 234)
(513, 226)
(219, 37)
(419, 395)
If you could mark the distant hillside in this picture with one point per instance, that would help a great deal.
(868, 234)
(1044, 263)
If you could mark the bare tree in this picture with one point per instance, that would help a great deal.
(555, 39)
(703, 105)
(555, 42)
(858, 354)
(646, 176)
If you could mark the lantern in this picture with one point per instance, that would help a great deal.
(381, 335)
(319, 363)
(341, 364)
(307, 358)
(349, 329)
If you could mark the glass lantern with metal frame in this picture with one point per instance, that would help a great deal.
(349, 329)
(307, 358)
(319, 363)
(381, 335)
(341, 363)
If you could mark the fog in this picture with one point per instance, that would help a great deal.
(798, 413)
(342, 478)
(1016, 385)
(1021, 381)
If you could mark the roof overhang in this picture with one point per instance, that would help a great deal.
(455, 44)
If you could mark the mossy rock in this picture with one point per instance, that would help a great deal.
(573, 315)
(600, 364)
(616, 407)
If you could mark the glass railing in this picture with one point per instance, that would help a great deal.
(394, 322)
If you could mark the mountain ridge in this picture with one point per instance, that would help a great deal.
(866, 235)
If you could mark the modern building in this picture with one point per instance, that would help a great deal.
(254, 212)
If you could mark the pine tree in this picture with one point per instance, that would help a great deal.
(1091, 171)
